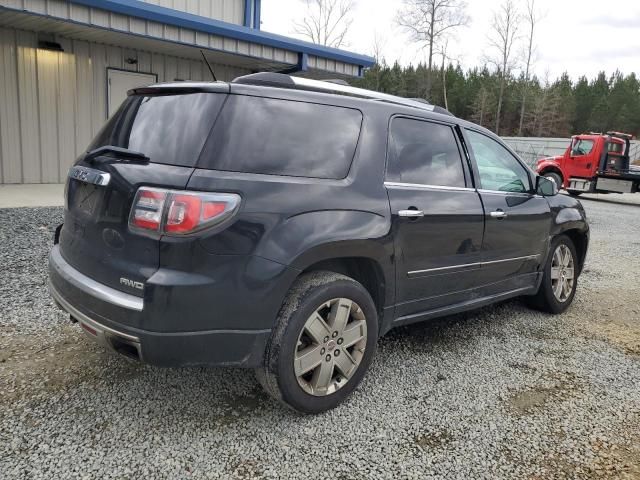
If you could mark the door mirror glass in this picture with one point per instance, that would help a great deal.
(546, 187)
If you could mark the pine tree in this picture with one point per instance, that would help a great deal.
(555, 108)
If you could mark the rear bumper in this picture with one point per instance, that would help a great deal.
(117, 340)
(100, 310)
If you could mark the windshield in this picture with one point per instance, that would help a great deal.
(169, 129)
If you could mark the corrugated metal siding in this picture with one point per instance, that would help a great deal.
(225, 9)
(53, 103)
(27, 93)
(11, 148)
(231, 11)
(333, 66)
(102, 18)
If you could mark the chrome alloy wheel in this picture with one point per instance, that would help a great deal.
(562, 273)
(330, 347)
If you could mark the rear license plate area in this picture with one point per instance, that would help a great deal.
(85, 197)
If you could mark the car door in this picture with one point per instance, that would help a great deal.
(437, 217)
(517, 221)
(582, 158)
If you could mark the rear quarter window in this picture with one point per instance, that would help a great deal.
(283, 137)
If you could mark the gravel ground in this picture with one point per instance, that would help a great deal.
(503, 392)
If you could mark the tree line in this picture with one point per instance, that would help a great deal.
(503, 94)
(555, 108)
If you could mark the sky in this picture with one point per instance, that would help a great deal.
(581, 37)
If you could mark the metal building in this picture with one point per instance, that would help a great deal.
(66, 64)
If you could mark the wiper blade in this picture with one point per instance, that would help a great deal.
(121, 152)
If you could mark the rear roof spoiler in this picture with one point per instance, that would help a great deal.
(181, 88)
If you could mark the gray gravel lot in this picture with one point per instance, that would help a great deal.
(503, 392)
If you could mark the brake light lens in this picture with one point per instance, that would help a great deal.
(175, 212)
(184, 213)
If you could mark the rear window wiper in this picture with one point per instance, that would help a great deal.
(121, 152)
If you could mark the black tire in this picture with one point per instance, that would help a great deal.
(574, 193)
(554, 177)
(308, 293)
(545, 299)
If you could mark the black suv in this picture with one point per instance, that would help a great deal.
(284, 224)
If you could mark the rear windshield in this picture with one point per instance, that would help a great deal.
(282, 137)
(169, 129)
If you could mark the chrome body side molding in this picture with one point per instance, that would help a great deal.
(468, 266)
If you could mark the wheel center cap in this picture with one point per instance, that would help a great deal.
(331, 345)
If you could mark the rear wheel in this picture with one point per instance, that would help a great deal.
(574, 193)
(323, 343)
(560, 277)
(555, 178)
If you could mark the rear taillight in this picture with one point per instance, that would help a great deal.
(179, 212)
(148, 209)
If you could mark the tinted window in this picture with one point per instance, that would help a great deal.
(282, 137)
(169, 129)
(499, 170)
(425, 153)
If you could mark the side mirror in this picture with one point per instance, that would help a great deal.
(546, 187)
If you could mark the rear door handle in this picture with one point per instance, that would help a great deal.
(498, 214)
(410, 213)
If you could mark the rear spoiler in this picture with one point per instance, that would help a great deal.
(181, 88)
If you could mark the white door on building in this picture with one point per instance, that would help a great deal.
(120, 81)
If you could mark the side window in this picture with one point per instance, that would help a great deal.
(615, 147)
(581, 147)
(424, 153)
(283, 137)
(498, 168)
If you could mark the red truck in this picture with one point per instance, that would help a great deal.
(594, 163)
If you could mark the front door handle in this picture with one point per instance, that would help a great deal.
(411, 213)
(498, 214)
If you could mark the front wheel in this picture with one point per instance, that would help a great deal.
(323, 342)
(560, 277)
(574, 193)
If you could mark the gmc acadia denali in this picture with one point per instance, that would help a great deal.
(285, 224)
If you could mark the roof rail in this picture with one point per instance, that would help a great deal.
(281, 80)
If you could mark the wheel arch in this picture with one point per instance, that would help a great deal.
(580, 240)
(365, 270)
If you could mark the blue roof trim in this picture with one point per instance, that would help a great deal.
(155, 13)
(247, 13)
(257, 15)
